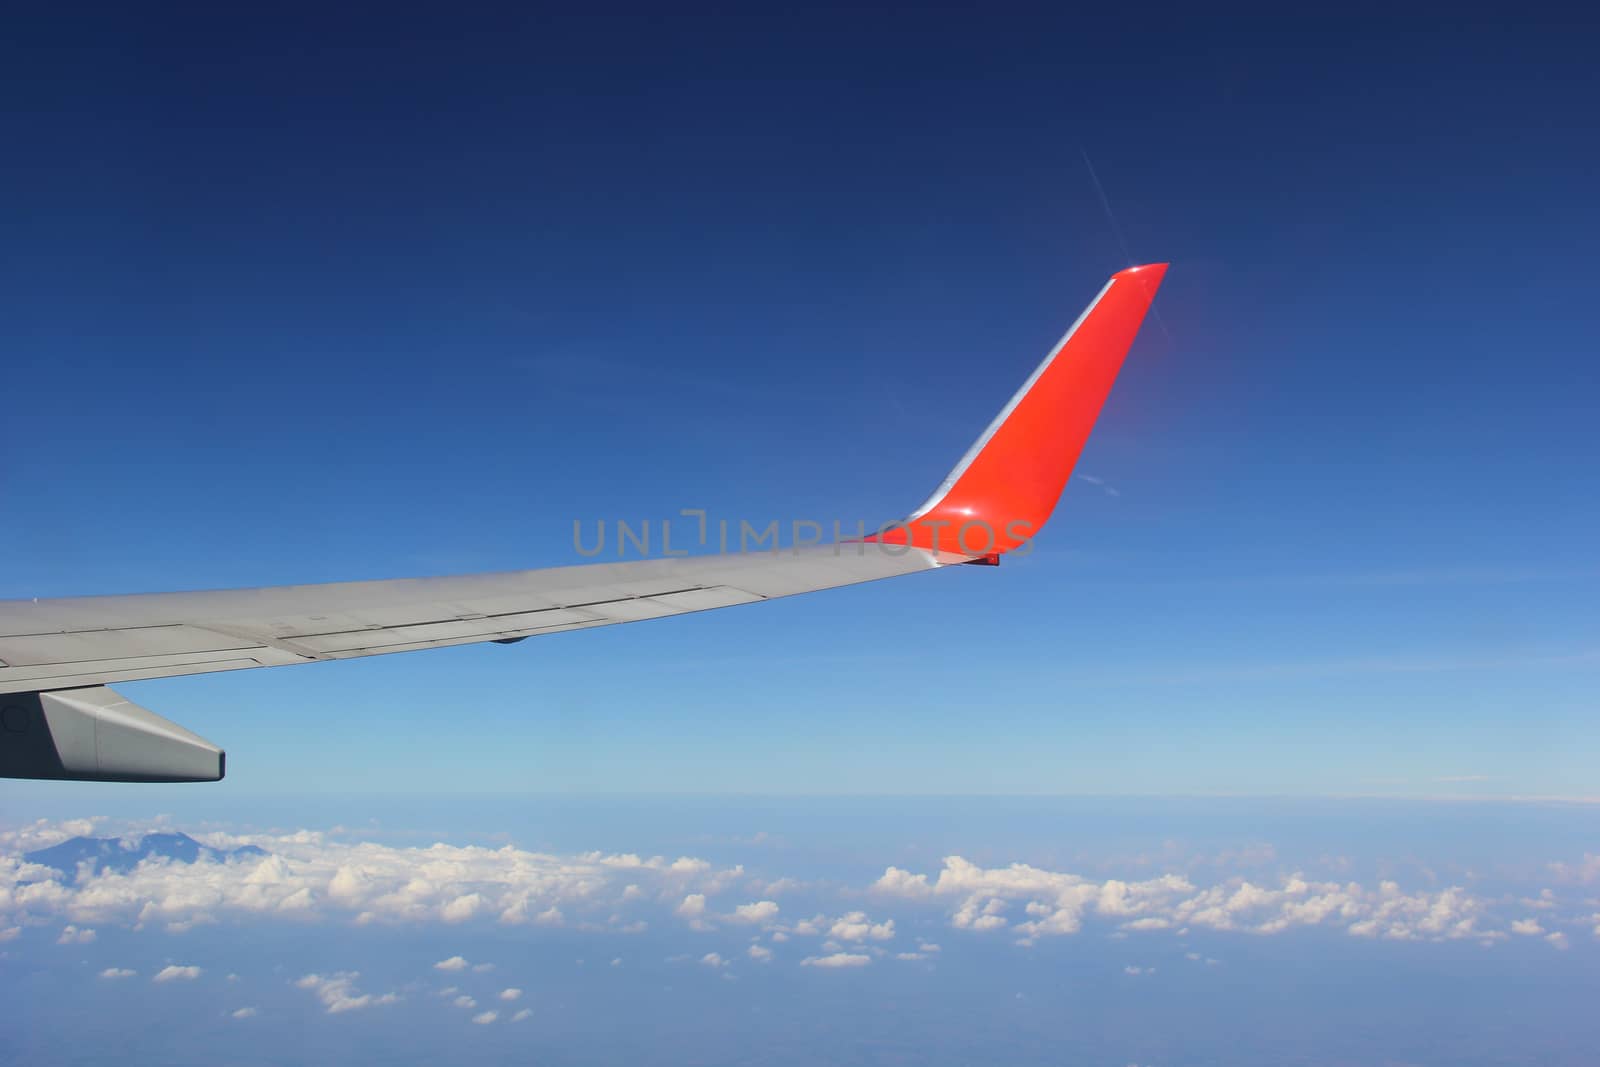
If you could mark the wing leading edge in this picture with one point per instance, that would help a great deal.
(995, 499)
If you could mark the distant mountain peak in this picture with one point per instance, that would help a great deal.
(124, 854)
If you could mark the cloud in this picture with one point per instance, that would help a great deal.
(1136, 971)
(1057, 903)
(43, 833)
(484, 1018)
(310, 875)
(837, 959)
(117, 972)
(758, 912)
(464, 1001)
(462, 908)
(1544, 901)
(338, 992)
(857, 927)
(1558, 939)
(513, 993)
(1584, 871)
(759, 953)
(174, 973)
(245, 1013)
(521, 1015)
(713, 959)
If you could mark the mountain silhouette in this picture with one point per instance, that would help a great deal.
(118, 854)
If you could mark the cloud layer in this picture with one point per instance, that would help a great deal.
(311, 877)
(1033, 903)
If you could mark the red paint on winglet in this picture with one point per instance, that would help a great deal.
(1010, 487)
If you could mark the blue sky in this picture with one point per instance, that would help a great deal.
(345, 297)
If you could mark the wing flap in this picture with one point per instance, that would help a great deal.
(29, 650)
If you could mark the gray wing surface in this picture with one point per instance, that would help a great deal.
(83, 641)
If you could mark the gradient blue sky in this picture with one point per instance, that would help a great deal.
(382, 294)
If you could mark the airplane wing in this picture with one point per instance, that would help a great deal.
(57, 719)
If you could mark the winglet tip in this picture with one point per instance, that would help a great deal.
(1150, 272)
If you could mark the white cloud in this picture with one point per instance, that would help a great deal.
(1136, 971)
(482, 968)
(462, 907)
(513, 993)
(1558, 939)
(485, 1018)
(1057, 903)
(857, 927)
(1544, 901)
(117, 972)
(910, 955)
(1584, 871)
(464, 1001)
(175, 973)
(521, 1015)
(43, 833)
(837, 959)
(311, 875)
(245, 1013)
(759, 953)
(713, 959)
(338, 992)
(759, 911)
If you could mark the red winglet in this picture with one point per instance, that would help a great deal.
(1008, 483)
